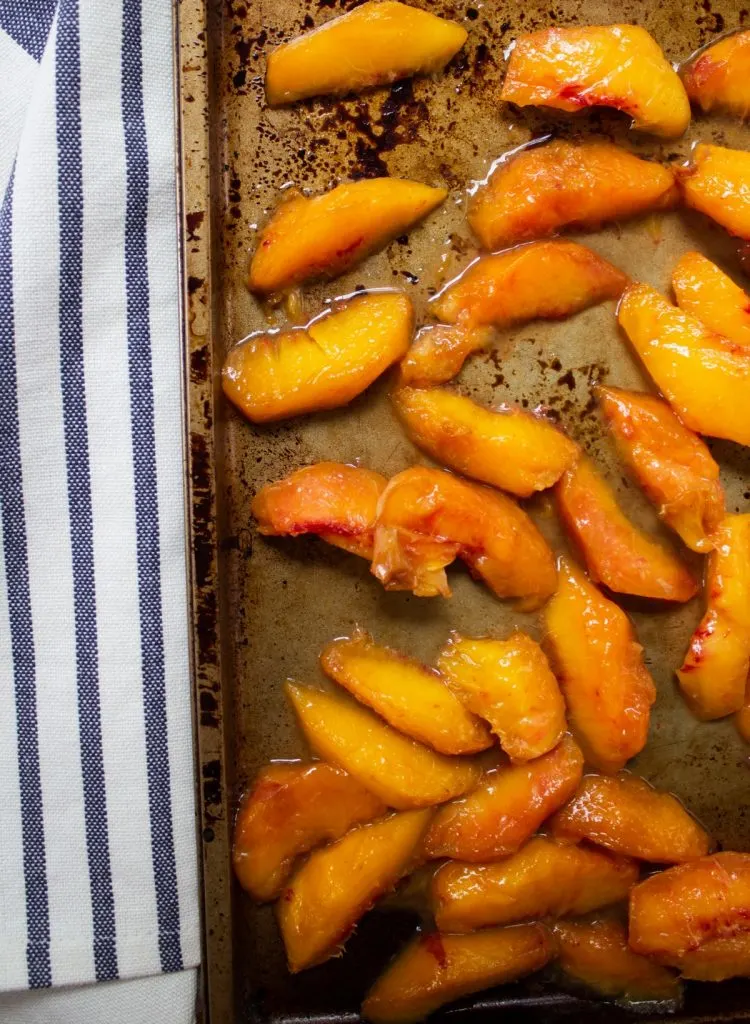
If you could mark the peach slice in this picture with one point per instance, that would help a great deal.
(402, 772)
(410, 696)
(539, 280)
(427, 517)
(599, 664)
(596, 953)
(716, 184)
(626, 815)
(544, 879)
(435, 969)
(671, 463)
(715, 670)
(618, 66)
(374, 44)
(320, 907)
(696, 916)
(711, 296)
(541, 189)
(321, 366)
(439, 351)
(507, 807)
(290, 809)
(617, 553)
(322, 236)
(719, 76)
(336, 501)
(508, 683)
(742, 720)
(508, 448)
(705, 377)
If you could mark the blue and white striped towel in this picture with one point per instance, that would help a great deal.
(98, 871)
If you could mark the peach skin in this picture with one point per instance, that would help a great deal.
(712, 297)
(320, 907)
(322, 236)
(509, 684)
(335, 501)
(540, 280)
(541, 189)
(616, 552)
(544, 879)
(291, 809)
(435, 969)
(618, 66)
(374, 44)
(705, 377)
(439, 351)
(714, 673)
(671, 463)
(321, 366)
(506, 808)
(508, 448)
(401, 772)
(627, 815)
(715, 183)
(410, 696)
(427, 517)
(592, 642)
(719, 75)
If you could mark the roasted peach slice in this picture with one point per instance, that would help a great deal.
(705, 377)
(541, 189)
(696, 916)
(596, 953)
(671, 463)
(624, 814)
(617, 553)
(716, 184)
(618, 66)
(540, 280)
(719, 76)
(291, 809)
(321, 366)
(435, 969)
(599, 664)
(320, 907)
(711, 296)
(410, 696)
(374, 44)
(336, 501)
(427, 517)
(508, 448)
(439, 351)
(508, 683)
(402, 772)
(715, 669)
(544, 879)
(322, 236)
(506, 808)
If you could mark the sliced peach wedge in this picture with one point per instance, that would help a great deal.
(710, 295)
(618, 66)
(715, 670)
(718, 76)
(671, 463)
(540, 189)
(375, 44)
(599, 664)
(322, 236)
(715, 183)
(439, 351)
(616, 552)
(274, 375)
(540, 280)
(704, 376)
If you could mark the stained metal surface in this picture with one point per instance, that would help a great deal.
(264, 607)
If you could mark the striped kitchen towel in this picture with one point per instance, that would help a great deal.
(98, 869)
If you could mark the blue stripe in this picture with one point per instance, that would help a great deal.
(70, 201)
(21, 626)
(28, 22)
(146, 499)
